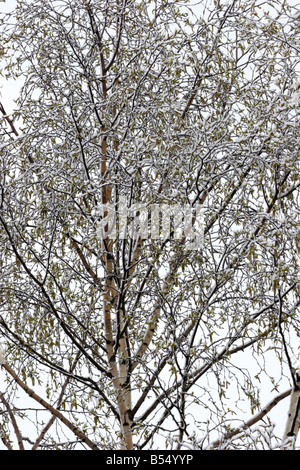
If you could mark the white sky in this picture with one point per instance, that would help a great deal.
(9, 91)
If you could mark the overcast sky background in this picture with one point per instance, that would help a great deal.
(9, 91)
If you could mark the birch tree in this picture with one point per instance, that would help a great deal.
(123, 324)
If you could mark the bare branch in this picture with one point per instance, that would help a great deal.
(50, 408)
(251, 421)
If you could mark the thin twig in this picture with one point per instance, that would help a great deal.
(14, 422)
(50, 408)
(253, 420)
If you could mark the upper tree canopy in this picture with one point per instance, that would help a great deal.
(141, 341)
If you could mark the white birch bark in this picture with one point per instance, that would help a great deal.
(293, 421)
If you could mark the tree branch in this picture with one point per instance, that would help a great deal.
(8, 120)
(293, 422)
(14, 422)
(253, 420)
(50, 408)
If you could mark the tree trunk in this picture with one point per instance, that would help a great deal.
(293, 422)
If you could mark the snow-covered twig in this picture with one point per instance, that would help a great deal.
(253, 420)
